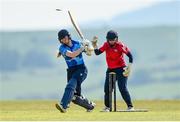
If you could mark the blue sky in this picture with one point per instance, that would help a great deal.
(41, 14)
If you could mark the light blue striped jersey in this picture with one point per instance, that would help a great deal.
(78, 60)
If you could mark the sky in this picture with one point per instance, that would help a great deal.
(40, 14)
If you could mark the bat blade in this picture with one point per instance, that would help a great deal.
(73, 21)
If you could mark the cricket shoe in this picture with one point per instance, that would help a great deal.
(68, 106)
(92, 103)
(130, 109)
(105, 109)
(60, 108)
(93, 106)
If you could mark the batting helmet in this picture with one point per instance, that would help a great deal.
(62, 33)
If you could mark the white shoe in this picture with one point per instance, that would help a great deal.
(130, 109)
(105, 109)
(94, 104)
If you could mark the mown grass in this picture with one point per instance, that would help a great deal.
(45, 110)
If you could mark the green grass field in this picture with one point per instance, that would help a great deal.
(45, 110)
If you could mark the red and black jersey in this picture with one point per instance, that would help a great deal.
(115, 54)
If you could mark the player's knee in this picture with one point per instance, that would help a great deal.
(123, 90)
(71, 86)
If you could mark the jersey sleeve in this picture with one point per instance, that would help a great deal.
(125, 49)
(79, 44)
(62, 50)
(103, 48)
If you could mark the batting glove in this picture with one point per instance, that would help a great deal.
(87, 51)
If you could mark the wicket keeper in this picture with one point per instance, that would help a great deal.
(115, 51)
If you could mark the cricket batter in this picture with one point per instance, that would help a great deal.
(76, 72)
(115, 50)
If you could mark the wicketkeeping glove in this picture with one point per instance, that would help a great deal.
(127, 70)
(94, 42)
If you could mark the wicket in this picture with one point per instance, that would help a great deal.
(112, 87)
